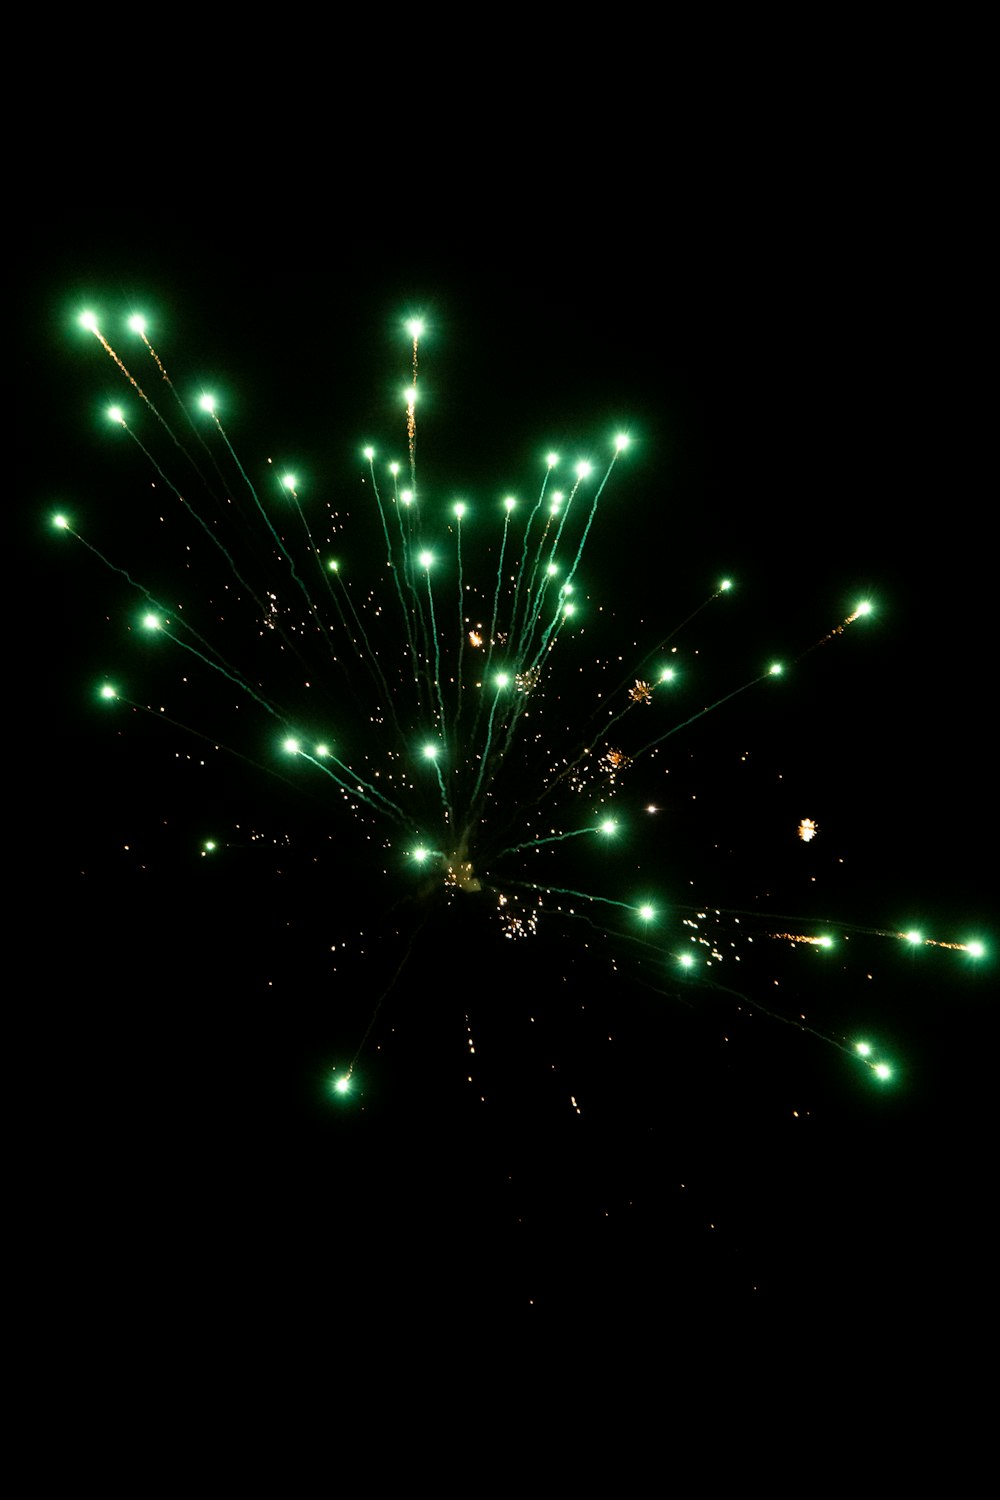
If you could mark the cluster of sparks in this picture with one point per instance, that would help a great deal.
(453, 770)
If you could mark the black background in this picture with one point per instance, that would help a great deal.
(791, 340)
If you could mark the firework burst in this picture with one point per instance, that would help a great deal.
(447, 673)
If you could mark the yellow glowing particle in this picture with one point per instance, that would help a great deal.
(808, 830)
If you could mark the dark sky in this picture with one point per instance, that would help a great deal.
(791, 358)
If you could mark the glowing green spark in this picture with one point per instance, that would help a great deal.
(863, 1049)
(60, 522)
(882, 1070)
(975, 950)
(291, 745)
(137, 323)
(107, 691)
(88, 321)
(117, 415)
(775, 669)
(207, 403)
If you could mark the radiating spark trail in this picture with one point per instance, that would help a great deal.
(89, 322)
(773, 671)
(863, 609)
(415, 328)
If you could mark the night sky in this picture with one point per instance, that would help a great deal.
(790, 369)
